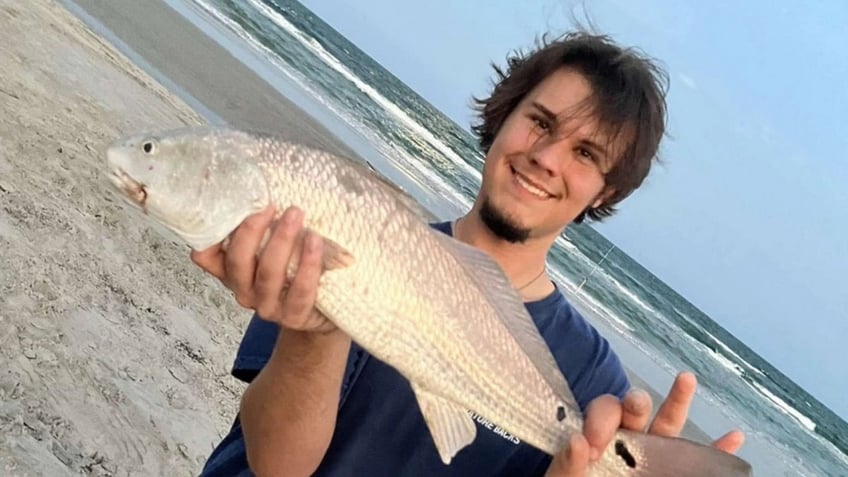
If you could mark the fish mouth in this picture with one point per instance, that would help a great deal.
(133, 190)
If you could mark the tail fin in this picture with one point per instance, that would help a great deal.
(643, 455)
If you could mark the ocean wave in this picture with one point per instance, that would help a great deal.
(266, 53)
(596, 306)
(430, 177)
(723, 360)
(739, 363)
(835, 451)
(629, 294)
(394, 110)
(566, 244)
(728, 350)
(413, 168)
(785, 407)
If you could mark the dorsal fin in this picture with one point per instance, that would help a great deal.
(491, 280)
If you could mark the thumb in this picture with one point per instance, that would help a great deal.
(210, 260)
(730, 442)
(603, 418)
(571, 461)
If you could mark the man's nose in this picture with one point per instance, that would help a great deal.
(551, 156)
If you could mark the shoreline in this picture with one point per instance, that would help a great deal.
(200, 72)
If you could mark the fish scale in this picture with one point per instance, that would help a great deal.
(440, 312)
(389, 317)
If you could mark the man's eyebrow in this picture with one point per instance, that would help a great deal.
(588, 143)
(545, 111)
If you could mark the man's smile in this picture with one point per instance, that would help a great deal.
(529, 185)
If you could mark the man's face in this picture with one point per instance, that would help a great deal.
(546, 164)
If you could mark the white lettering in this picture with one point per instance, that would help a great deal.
(506, 435)
(494, 428)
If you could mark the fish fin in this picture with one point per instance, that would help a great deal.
(450, 426)
(335, 256)
(493, 283)
(643, 454)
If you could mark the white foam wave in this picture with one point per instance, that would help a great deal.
(836, 452)
(596, 306)
(784, 407)
(728, 350)
(629, 294)
(720, 343)
(725, 363)
(599, 272)
(413, 169)
(565, 243)
(264, 51)
(378, 98)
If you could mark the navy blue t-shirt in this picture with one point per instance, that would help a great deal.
(379, 427)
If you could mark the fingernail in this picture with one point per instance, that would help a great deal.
(313, 241)
(594, 454)
(640, 398)
(291, 216)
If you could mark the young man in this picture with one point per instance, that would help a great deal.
(569, 131)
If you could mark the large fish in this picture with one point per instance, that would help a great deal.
(439, 311)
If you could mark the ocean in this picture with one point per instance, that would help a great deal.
(655, 330)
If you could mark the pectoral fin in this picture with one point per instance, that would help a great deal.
(336, 256)
(450, 425)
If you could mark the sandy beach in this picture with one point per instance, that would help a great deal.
(115, 349)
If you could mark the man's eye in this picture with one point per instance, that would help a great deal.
(541, 123)
(585, 153)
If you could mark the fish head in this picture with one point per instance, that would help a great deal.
(200, 183)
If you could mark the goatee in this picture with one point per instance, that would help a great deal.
(501, 226)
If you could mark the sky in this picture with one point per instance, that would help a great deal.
(747, 217)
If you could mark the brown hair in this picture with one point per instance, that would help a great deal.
(628, 97)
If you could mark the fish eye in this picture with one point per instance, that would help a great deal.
(148, 147)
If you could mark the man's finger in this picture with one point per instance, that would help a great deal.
(636, 410)
(672, 414)
(572, 461)
(241, 255)
(603, 418)
(300, 297)
(730, 442)
(271, 267)
(211, 260)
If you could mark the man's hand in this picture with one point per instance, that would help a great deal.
(256, 273)
(606, 414)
